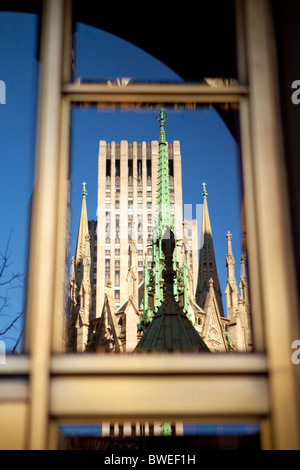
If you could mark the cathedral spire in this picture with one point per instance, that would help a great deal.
(244, 281)
(170, 329)
(83, 245)
(204, 192)
(229, 246)
(230, 258)
(231, 290)
(238, 308)
(207, 261)
(72, 269)
(163, 229)
(81, 310)
(164, 217)
(84, 193)
(146, 282)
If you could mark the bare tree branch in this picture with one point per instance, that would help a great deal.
(9, 327)
(18, 341)
(5, 264)
(8, 282)
(5, 256)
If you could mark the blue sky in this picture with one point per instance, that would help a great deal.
(208, 151)
(19, 71)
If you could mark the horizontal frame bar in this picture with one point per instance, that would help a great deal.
(158, 364)
(154, 396)
(87, 364)
(15, 364)
(145, 93)
(14, 389)
(175, 386)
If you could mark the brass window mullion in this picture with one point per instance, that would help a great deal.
(242, 395)
(145, 93)
(273, 234)
(134, 364)
(43, 235)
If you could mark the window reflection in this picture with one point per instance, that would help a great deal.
(117, 287)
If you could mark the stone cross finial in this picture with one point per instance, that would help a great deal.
(84, 192)
(204, 192)
(162, 116)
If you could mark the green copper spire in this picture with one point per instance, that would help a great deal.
(162, 119)
(146, 283)
(170, 329)
(164, 221)
(166, 429)
(154, 283)
(164, 217)
(185, 283)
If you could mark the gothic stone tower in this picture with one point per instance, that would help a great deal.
(80, 290)
(238, 305)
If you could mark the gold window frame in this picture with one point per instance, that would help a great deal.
(43, 388)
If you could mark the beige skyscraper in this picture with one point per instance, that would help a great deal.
(127, 195)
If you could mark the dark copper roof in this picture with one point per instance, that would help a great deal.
(171, 331)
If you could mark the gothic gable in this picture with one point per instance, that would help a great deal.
(132, 317)
(213, 333)
(104, 335)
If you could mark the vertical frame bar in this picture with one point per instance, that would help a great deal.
(63, 194)
(43, 225)
(277, 271)
(249, 189)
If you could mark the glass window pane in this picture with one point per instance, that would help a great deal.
(18, 103)
(205, 202)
